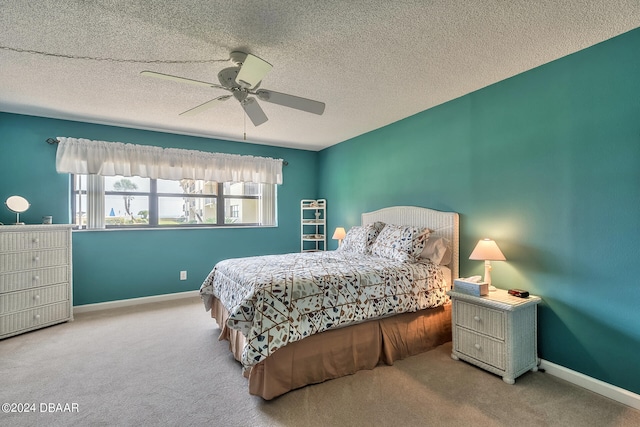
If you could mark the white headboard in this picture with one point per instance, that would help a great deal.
(443, 224)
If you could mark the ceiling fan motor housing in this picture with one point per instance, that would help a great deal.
(238, 57)
(227, 77)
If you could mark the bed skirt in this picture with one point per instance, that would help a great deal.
(339, 352)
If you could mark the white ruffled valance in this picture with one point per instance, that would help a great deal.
(83, 156)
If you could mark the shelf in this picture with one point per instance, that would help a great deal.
(313, 223)
(307, 204)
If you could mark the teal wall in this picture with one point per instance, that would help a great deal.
(548, 164)
(120, 264)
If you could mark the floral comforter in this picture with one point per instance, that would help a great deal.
(277, 299)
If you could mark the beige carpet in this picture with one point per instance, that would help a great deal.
(161, 364)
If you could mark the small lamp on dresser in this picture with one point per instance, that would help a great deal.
(339, 235)
(487, 250)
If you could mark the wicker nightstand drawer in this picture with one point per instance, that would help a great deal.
(481, 347)
(480, 319)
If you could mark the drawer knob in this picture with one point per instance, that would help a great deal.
(36, 297)
(477, 346)
(36, 258)
(476, 318)
(36, 240)
(36, 278)
(36, 317)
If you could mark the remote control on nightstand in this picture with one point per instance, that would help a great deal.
(518, 293)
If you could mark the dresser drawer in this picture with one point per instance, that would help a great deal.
(480, 319)
(33, 259)
(481, 347)
(22, 280)
(11, 324)
(18, 301)
(26, 240)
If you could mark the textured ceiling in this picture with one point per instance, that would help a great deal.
(372, 62)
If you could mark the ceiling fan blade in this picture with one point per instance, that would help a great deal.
(180, 79)
(200, 108)
(254, 111)
(252, 71)
(291, 101)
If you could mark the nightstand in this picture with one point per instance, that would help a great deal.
(497, 332)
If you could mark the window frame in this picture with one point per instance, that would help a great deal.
(154, 196)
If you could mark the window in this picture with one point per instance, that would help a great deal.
(133, 202)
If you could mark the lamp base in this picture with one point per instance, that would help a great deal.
(487, 275)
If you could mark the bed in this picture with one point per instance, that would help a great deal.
(346, 310)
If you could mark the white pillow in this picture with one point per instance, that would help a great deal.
(436, 250)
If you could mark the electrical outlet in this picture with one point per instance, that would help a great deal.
(183, 275)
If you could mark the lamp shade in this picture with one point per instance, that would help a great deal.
(487, 250)
(339, 234)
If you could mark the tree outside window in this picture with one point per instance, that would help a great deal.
(126, 185)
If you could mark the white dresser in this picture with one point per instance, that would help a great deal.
(497, 332)
(35, 277)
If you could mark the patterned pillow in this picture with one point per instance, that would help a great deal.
(378, 226)
(400, 242)
(359, 238)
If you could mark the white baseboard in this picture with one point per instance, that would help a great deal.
(133, 301)
(605, 389)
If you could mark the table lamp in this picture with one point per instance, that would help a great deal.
(487, 250)
(339, 234)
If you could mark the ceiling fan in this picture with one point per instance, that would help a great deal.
(243, 80)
